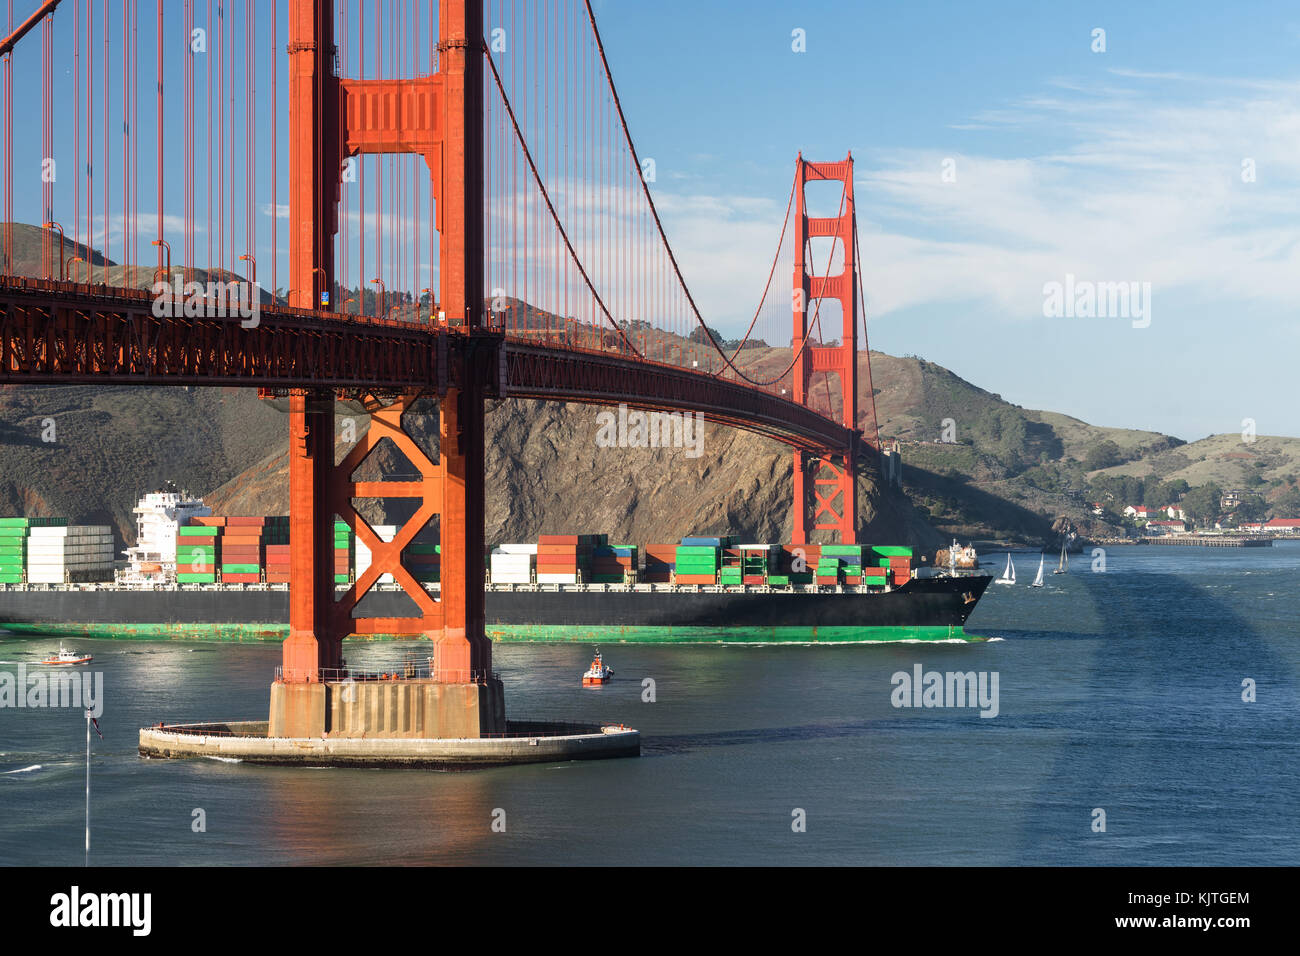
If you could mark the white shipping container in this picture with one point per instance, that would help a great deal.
(72, 549)
(511, 578)
(515, 549)
(557, 579)
(71, 531)
(386, 532)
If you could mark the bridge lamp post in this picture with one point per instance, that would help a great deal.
(417, 304)
(162, 244)
(54, 225)
(354, 302)
(325, 290)
(395, 308)
(253, 264)
(67, 277)
(383, 293)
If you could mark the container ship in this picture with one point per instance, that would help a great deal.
(226, 578)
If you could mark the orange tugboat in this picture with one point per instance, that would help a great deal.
(66, 656)
(598, 674)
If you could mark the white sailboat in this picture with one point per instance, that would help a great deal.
(1009, 575)
(1038, 579)
(1064, 564)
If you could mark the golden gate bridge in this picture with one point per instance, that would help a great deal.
(485, 141)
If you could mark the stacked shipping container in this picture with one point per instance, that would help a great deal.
(13, 550)
(197, 551)
(697, 560)
(565, 558)
(240, 543)
(660, 559)
(65, 554)
(612, 564)
(424, 561)
(386, 532)
(513, 563)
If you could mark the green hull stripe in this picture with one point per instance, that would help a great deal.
(519, 633)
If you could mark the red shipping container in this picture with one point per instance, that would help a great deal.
(277, 579)
(195, 568)
(827, 579)
(244, 521)
(549, 539)
(852, 579)
(240, 578)
(696, 579)
(753, 579)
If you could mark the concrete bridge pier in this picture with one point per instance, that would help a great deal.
(419, 708)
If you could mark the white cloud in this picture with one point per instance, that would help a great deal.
(1137, 183)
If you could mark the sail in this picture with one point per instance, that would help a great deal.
(1009, 575)
(1038, 579)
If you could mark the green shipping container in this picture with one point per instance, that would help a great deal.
(891, 551)
(192, 578)
(241, 568)
(13, 522)
(197, 531)
(7, 578)
(778, 580)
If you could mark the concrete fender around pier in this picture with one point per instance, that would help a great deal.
(527, 742)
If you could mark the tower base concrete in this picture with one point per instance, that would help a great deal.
(414, 709)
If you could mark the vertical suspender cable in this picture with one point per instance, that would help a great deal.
(47, 144)
(275, 136)
(76, 123)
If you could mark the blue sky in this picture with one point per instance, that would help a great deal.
(1122, 166)
(1117, 166)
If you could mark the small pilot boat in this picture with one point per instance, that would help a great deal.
(597, 674)
(66, 656)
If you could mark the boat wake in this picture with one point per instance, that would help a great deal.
(34, 766)
(223, 759)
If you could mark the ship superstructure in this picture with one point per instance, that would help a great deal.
(159, 515)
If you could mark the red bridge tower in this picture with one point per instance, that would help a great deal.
(830, 476)
(440, 117)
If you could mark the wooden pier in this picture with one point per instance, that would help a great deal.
(1211, 540)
